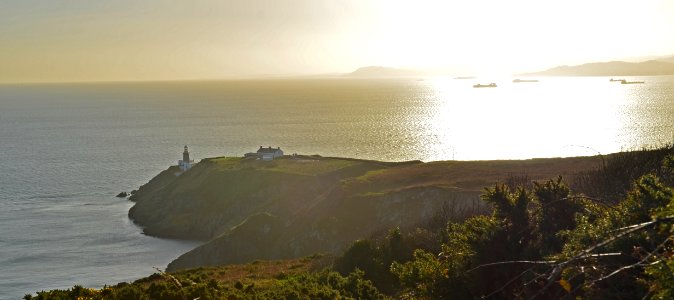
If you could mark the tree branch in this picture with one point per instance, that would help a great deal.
(540, 262)
(557, 270)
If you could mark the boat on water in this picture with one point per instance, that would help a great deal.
(524, 80)
(491, 85)
(631, 82)
(616, 79)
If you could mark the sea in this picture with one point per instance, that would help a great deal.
(66, 149)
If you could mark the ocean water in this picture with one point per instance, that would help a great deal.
(66, 150)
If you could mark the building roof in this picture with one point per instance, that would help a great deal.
(268, 149)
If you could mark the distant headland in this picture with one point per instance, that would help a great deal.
(384, 72)
(613, 68)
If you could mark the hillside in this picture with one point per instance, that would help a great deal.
(292, 207)
(614, 68)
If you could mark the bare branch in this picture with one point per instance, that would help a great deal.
(602, 254)
(627, 230)
(557, 270)
(508, 283)
(595, 200)
(173, 280)
(543, 262)
(637, 264)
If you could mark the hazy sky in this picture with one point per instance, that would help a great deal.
(143, 40)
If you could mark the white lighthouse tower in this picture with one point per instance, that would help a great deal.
(186, 163)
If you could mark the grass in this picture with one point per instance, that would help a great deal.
(300, 165)
(256, 280)
(467, 175)
(260, 272)
(463, 174)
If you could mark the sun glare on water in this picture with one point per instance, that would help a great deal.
(525, 120)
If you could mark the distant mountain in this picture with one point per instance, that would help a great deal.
(669, 59)
(384, 72)
(614, 68)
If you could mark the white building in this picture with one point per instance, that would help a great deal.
(186, 163)
(269, 153)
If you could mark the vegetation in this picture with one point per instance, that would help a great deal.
(548, 243)
(291, 279)
(541, 240)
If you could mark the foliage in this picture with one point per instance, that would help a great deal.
(322, 285)
(614, 178)
(431, 276)
(374, 259)
(546, 242)
(639, 229)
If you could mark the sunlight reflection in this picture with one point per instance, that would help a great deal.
(524, 120)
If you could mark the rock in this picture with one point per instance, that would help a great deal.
(122, 195)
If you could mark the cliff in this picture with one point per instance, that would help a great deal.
(292, 207)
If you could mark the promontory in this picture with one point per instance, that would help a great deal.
(247, 209)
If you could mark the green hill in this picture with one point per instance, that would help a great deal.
(296, 206)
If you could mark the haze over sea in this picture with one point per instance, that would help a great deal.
(68, 149)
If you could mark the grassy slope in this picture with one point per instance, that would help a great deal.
(469, 175)
(255, 280)
(263, 274)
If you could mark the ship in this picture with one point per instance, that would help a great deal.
(631, 82)
(616, 79)
(491, 85)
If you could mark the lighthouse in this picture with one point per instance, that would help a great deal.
(186, 163)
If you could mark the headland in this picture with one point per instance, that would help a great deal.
(248, 209)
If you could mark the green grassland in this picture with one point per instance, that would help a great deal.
(299, 165)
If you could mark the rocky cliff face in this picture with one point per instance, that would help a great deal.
(293, 207)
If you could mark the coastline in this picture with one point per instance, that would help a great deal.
(284, 204)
